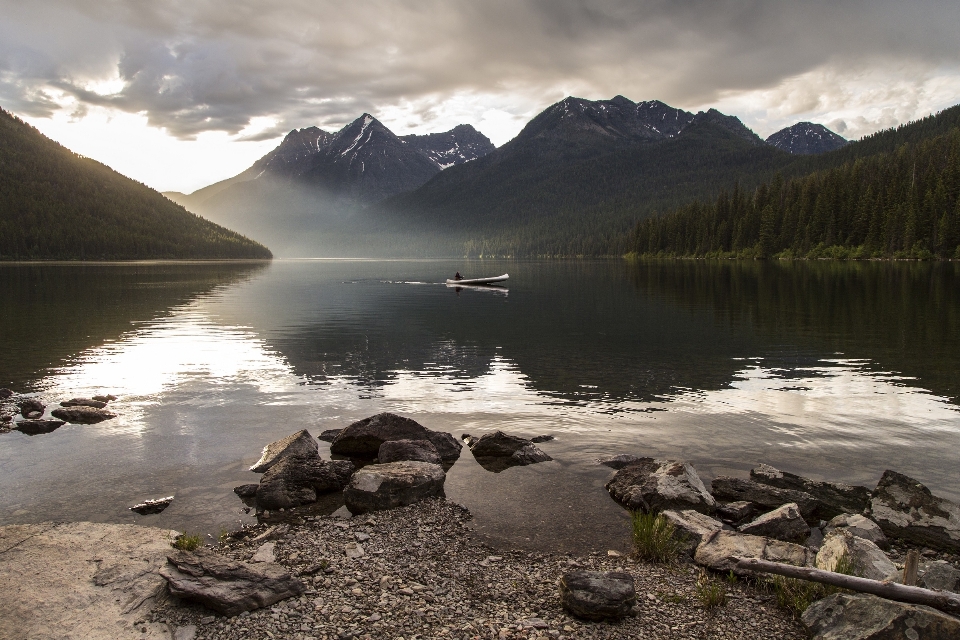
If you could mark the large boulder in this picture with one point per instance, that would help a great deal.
(36, 427)
(721, 551)
(858, 616)
(83, 415)
(498, 451)
(657, 485)
(860, 526)
(598, 595)
(300, 444)
(415, 450)
(834, 497)
(362, 439)
(764, 496)
(783, 523)
(298, 480)
(396, 484)
(692, 527)
(867, 559)
(906, 509)
(225, 585)
(941, 575)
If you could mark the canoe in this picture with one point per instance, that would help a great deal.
(479, 280)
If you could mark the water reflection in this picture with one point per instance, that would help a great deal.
(832, 373)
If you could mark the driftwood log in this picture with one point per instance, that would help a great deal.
(942, 600)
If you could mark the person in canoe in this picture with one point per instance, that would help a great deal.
(458, 276)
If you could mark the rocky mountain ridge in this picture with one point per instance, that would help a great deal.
(806, 138)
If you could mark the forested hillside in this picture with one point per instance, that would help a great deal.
(57, 205)
(895, 194)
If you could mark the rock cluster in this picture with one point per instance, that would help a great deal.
(32, 410)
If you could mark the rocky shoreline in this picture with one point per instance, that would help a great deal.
(423, 575)
(399, 560)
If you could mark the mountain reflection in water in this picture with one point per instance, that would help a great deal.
(838, 371)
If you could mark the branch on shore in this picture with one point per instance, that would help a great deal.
(942, 600)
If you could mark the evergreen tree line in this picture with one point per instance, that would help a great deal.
(55, 204)
(899, 204)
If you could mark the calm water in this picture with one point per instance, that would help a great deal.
(837, 371)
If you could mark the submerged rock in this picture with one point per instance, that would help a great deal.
(6, 393)
(656, 485)
(598, 595)
(764, 496)
(148, 507)
(396, 484)
(860, 526)
(867, 559)
(784, 523)
(83, 415)
(415, 450)
(362, 439)
(300, 444)
(297, 480)
(834, 497)
(904, 508)
(105, 398)
(498, 451)
(84, 402)
(857, 616)
(721, 550)
(618, 462)
(36, 427)
(227, 586)
(539, 439)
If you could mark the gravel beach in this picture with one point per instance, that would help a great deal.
(418, 572)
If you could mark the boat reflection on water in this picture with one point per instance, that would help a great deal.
(490, 288)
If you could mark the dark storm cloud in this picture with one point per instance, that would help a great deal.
(200, 65)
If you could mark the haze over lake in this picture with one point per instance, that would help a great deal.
(834, 370)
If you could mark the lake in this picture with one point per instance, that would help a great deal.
(837, 371)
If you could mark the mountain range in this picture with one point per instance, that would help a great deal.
(366, 190)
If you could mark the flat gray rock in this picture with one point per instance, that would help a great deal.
(692, 527)
(415, 450)
(298, 480)
(860, 526)
(81, 580)
(721, 550)
(300, 443)
(763, 496)
(225, 585)
(834, 497)
(941, 575)
(868, 559)
(783, 523)
(83, 415)
(363, 438)
(396, 484)
(657, 485)
(857, 616)
(156, 505)
(906, 509)
(598, 595)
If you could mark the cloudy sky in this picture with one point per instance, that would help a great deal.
(181, 93)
